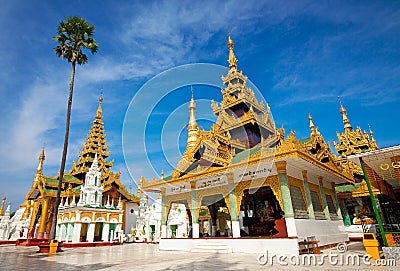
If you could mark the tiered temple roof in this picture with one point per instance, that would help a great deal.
(242, 123)
(95, 143)
(353, 141)
(244, 130)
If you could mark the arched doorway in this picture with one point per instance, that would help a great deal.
(259, 212)
(179, 219)
(220, 221)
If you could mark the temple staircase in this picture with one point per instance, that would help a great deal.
(212, 247)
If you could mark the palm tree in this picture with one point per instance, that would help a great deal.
(74, 34)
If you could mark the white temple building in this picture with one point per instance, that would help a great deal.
(89, 220)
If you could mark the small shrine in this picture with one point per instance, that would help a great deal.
(90, 220)
(34, 217)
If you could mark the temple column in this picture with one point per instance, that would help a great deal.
(68, 225)
(163, 213)
(76, 236)
(232, 203)
(43, 219)
(58, 230)
(195, 221)
(322, 191)
(339, 212)
(90, 232)
(311, 214)
(209, 221)
(286, 199)
(213, 220)
(346, 216)
(106, 231)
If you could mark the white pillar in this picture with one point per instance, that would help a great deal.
(213, 230)
(77, 232)
(163, 231)
(291, 227)
(104, 234)
(195, 230)
(58, 232)
(90, 232)
(68, 225)
(235, 229)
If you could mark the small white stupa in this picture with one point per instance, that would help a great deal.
(92, 190)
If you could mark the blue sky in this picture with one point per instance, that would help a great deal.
(300, 54)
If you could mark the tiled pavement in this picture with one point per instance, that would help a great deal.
(148, 257)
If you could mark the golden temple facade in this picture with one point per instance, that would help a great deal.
(267, 183)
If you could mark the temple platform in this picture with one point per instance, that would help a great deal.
(91, 244)
(286, 246)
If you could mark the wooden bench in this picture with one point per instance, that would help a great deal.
(309, 246)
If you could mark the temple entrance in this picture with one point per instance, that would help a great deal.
(259, 211)
(173, 229)
(111, 231)
(98, 230)
(219, 217)
(84, 230)
(152, 234)
(204, 222)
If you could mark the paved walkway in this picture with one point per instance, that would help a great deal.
(148, 257)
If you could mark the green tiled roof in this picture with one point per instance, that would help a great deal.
(168, 178)
(51, 180)
(66, 177)
(70, 177)
(347, 188)
(50, 190)
(305, 140)
(245, 154)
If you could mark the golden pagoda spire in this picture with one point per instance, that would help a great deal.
(99, 112)
(2, 206)
(192, 127)
(346, 122)
(41, 159)
(370, 132)
(232, 59)
(372, 142)
(95, 143)
(312, 127)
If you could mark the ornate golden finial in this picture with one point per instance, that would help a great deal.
(162, 174)
(99, 113)
(232, 59)
(192, 127)
(27, 211)
(346, 122)
(2, 206)
(140, 185)
(370, 132)
(312, 127)
(41, 159)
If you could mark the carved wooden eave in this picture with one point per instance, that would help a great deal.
(292, 149)
(229, 122)
(354, 142)
(232, 74)
(361, 191)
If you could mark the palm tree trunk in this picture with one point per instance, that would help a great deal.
(64, 154)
